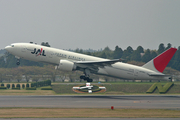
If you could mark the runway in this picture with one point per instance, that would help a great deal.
(93, 101)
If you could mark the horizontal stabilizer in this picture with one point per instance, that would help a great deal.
(156, 74)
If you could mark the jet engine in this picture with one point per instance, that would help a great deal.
(66, 65)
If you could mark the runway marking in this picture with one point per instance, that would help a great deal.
(80, 90)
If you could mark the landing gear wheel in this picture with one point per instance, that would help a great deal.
(86, 78)
(90, 80)
(18, 62)
(82, 77)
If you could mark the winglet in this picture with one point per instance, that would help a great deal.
(159, 63)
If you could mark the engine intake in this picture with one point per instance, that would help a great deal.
(66, 65)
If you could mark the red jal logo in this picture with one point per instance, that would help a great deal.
(39, 52)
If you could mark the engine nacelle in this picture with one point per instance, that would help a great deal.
(66, 65)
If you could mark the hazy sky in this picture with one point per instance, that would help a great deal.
(71, 24)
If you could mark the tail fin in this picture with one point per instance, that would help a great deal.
(160, 62)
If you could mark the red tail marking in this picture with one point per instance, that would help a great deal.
(162, 60)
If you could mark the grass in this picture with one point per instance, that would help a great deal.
(117, 88)
(63, 89)
(86, 113)
(120, 88)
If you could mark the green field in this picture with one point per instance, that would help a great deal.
(121, 88)
(118, 88)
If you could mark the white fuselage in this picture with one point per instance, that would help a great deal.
(53, 56)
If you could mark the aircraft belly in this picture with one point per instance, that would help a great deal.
(118, 73)
(125, 73)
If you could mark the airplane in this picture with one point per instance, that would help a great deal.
(71, 61)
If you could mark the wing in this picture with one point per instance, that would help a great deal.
(94, 65)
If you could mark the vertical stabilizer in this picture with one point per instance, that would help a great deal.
(160, 62)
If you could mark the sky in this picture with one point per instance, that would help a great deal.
(95, 24)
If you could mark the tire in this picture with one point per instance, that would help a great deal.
(90, 80)
(86, 78)
(18, 63)
(82, 77)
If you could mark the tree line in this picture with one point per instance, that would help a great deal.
(139, 55)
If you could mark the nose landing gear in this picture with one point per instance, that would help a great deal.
(18, 62)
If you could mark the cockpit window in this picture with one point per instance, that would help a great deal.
(12, 45)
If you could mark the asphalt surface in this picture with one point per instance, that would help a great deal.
(126, 101)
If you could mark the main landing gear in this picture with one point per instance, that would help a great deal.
(86, 78)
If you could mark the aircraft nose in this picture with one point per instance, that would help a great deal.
(8, 48)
